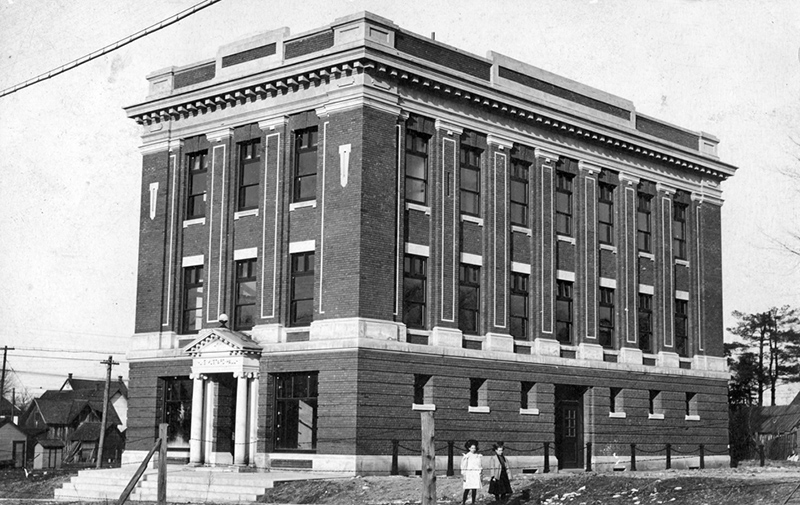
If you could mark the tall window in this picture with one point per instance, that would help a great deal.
(305, 165)
(301, 305)
(416, 167)
(296, 411)
(682, 327)
(564, 312)
(519, 192)
(249, 172)
(644, 223)
(470, 180)
(192, 299)
(177, 410)
(423, 390)
(656, 406)
(415, 276)
(606, 317)
(469, 297)
(518, 313)
(605, 214)
(679, 230)
(196, 190)
(478, 393)
(244, 311)
(645, 322)
(563, 203)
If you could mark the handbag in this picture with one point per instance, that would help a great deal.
(493, 485)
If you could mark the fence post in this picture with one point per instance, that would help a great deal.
(450, 471)
(669, 456)
(589, 457)
(633, 457)
(761, 453)
(702, 457)
(547, 457)
(395, 447)
(162, 464)
(428, 458)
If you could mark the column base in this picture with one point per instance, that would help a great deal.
(668, 360)
(501, 342)
(356, 327)
(446, 337)
(590, 351)
(547, 347)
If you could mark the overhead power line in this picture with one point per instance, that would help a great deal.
(75, 351)
(110, 48)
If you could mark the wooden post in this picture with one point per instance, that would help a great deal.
(450, 471)
(633, 457)
(702, 457)
(395, 449)
(761, 453)
(100, 445)
(428, 459)
(546, 457)
(669, 456)
(162, 464)
(136, 476)
(589, 457)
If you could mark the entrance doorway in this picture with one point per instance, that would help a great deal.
(569, 426)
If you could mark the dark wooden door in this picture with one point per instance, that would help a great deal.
(569, 426)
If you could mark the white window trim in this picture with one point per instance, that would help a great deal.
(565, 238)
(521, 229)
(429, 407)
(681, 295)
(193, 261)
(529, 412)
(479, 410)
(520, 268)
(646, 289)
(692, 417)
(301, 205)
(564, 275)
(655, 416)
(679, 261)
(415, 206)
(609, 247)
(617, 415)
(245, 254)
(190, 222)
(472, 219)
(302, 246)
(245, 213)
(418, 249)
(605, 282)
(647, 255)
(472, 259)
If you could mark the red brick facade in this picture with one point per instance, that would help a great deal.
(364, 84)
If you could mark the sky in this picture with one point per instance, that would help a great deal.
(71, 169)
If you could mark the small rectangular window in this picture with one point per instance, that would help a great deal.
(518, 182)
(605, 214)
(470, 180)
(192, 299)
(606, 317)
(616, 401)
(301, 306)
(679, 230)
(645, 322)
(196, 185)
(656, 407)
(478, 393)
(691, 404)
(518, 306)
(564, 203)
(423, 390)
(414, 291)
(416, 167)
(682, 328)
(245, 297)
(305, 165)
(644, 223)
(469, 299)
(249, 174)
(564, 313)
(527, 399)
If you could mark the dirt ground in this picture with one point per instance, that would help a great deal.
(748, 484)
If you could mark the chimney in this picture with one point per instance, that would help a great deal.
(69, 376)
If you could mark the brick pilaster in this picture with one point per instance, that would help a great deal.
(217, 208)
(544, 260)
(628, 283)
(664, 299)
(497, 230)
(586, 267)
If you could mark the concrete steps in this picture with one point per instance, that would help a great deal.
(94, 485)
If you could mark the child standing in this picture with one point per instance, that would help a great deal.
(471, 469)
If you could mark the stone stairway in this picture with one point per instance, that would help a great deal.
(184, 484)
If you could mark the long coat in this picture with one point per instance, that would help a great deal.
(471, 468)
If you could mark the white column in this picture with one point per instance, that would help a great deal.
(253, 420)
(195, 442)
(208, 421)
(240, 434)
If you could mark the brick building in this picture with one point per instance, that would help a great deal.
(390, 225)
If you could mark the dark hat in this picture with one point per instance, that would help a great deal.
(498, 445)
(470, 443)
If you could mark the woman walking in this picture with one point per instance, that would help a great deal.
(471, 468)
(499, 484)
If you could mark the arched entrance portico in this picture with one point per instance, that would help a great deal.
(225, 367)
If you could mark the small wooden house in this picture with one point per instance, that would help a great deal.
(13, 443)
(48, 453)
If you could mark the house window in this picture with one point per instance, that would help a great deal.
(301, 305)
(518, 306)
(305, 165)
(682, 328)
(415, 276)
(519, 192)
(645, 322)
(296, 411)
(615, 401)
(656, 404)
(679, 230)
(478, 393)
(177, 411)
(192, 299)
(245, 303)
(564, 312)
(563, 204)
(691, 404)
(470, 162)
(643, 222)
(606, 317)
(423, 389)
(249, 173)
(527, 395)
(416, 167)
(196, 191)
(605, 214)
(469, 296)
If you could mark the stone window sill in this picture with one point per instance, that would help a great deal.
(472, 219)
(191, 222)
(682, 262)
(521, 229)
(564, 238)
(479, 410)
(647, 255)
(301, 205)
(655, 416)
(693, 417)
(245, 213)
(421, 208)
(608, 247)
(529, 412)
(423, 406)
(617, 415)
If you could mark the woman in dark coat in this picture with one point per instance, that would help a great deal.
(499, 484)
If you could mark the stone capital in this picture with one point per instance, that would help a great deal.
(549, 156)
(450, 128)
(661, 187)
(273, 122)
(219, 135)
(500, 142)
(628, 179)
(589, 168)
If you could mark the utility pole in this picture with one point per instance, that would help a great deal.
(109, 363)
(3, 376)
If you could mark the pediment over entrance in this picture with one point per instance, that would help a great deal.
(222, 350)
